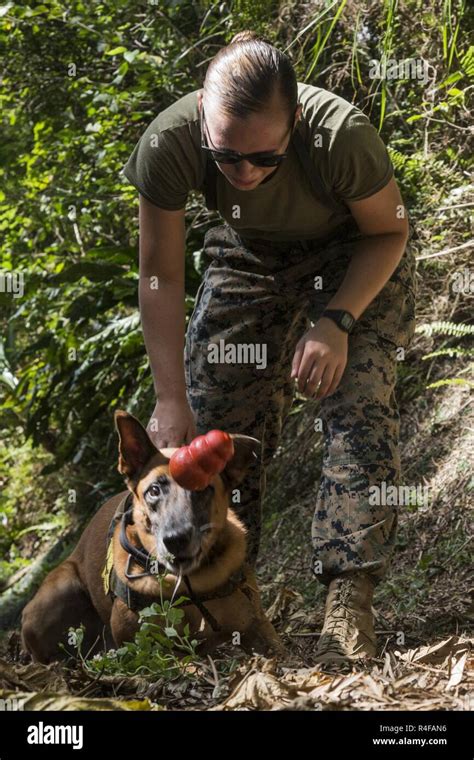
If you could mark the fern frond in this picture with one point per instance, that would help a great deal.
(451, 381)
(454, 351)
(409, 165)
(445, 328)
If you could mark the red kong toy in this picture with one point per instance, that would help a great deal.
(194, 466)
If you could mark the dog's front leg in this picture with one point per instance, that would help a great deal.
(262, 638)
(123, 623)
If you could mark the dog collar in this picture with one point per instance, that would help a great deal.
(139, 554)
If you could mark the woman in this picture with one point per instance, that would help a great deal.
(309, 284)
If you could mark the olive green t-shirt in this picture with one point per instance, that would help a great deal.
(351, 159)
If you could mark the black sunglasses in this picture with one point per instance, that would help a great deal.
(233, 157)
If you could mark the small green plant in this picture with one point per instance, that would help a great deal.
(158, 646)
(458, 329)
(75, 638)
(161, 646)
(449, 329)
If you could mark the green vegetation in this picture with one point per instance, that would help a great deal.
(162, 645)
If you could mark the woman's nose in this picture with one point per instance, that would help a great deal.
(245, 170)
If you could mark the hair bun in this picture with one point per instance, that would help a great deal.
(246, 36)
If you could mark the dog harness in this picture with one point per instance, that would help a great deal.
(136, 601)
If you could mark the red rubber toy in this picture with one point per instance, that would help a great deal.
(194, 466)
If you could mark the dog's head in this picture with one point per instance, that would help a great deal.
(176, 525)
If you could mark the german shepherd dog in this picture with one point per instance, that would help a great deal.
(155, 541)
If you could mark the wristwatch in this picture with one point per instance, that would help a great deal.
(343, 319)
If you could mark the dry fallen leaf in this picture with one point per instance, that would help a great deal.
(435, 654)
(286, 602)
(258, 691)
(64, 702)
(32, 677)
(457, 671)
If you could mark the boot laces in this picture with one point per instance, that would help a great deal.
(339, 622)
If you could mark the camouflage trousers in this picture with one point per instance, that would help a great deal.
(256, 300)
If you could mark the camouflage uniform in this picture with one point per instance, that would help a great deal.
(257, 292)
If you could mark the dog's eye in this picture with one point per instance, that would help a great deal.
(158, 488)
(154, 491)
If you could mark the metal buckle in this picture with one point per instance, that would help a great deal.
(128, 575)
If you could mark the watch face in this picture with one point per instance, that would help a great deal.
(346, 321)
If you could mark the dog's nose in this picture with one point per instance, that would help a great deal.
(176, 543)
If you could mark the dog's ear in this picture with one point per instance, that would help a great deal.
(246, 452)
(135, 447)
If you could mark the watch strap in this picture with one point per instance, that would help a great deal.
(343, 319)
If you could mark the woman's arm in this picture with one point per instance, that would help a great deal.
(321, 354)
(382, 218)
(161, 296)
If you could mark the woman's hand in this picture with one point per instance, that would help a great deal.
(172, 423)
(320, 357)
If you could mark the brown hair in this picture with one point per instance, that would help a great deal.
(245, 74)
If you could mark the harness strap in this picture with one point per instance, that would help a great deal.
(137, 601)
(204, 612)
(123, 506)
(139, 554)
(133, 599)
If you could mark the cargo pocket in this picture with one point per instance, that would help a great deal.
(342, 499)
(396, 303)
(395, 319)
